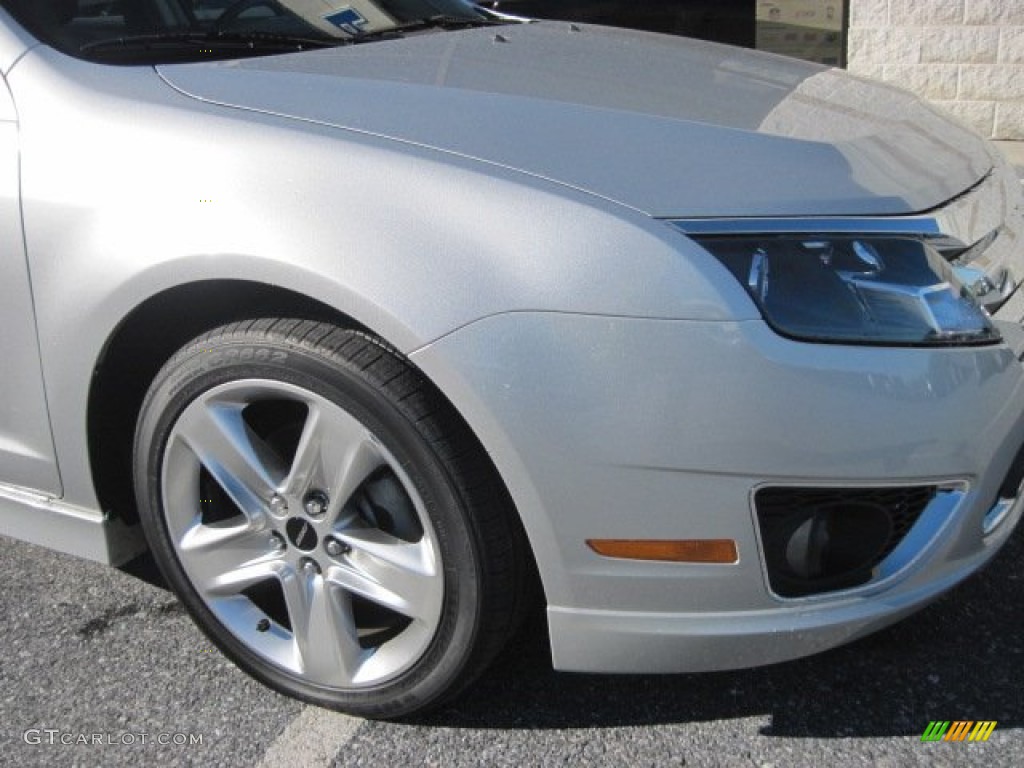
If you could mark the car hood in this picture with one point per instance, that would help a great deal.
(668, 126)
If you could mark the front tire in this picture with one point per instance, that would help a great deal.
(326, 518)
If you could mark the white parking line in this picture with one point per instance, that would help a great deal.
(311, 740)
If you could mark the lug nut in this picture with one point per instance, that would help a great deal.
(277, 542)
(335, 548)
(315, 503)
(310, 567)
(278, 505)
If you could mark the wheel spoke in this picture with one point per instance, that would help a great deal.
(397, 574)
(307, 466)
(335, 453)
(200, 538)
(233, 454)
(225, 560)
(323, 628)
(361, 460)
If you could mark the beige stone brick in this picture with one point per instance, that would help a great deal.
(867, 47)
(873, 71)
(904, 46)
(1010, 121)
(925, 12)
(873, 47)
(979, 115)
(1011, 45)
(869, 13)
(932, 81)
(974, 45)
(995, 82)
(993, 11)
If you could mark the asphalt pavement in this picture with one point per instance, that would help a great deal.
(96, 655)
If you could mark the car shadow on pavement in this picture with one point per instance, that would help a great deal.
(144, 567)
(962, 658)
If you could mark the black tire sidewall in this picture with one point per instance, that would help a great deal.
(342, 381)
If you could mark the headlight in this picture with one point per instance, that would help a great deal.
(866, 290)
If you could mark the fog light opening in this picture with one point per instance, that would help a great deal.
(832, 547)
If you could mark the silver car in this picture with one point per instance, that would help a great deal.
(373, 321)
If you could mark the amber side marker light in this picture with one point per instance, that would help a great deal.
(679, 551)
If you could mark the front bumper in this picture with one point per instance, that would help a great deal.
(617, 428)
(632, 642)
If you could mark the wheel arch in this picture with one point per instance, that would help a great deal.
(152, 332)
(139, 346)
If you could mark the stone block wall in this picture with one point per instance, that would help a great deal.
(965, 55)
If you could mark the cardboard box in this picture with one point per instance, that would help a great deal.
(805, 29)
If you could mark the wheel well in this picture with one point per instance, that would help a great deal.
(153, 332)
(143, 342)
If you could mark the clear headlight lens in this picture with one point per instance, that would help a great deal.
(866, 290)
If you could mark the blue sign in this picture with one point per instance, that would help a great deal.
(348, 20)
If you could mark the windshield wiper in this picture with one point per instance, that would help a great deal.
(227, 40)
(431, 22)
(261, 41)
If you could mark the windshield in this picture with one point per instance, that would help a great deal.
(155, 31)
